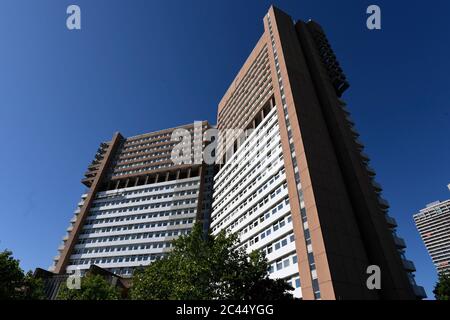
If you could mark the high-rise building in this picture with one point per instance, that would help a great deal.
(293, 181)
(296, 183)
(139, 199)
(433, 223)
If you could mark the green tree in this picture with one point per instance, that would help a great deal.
(93, 287)
(203, 267)
(442, 288)
(14, 284)
(33, 288)
(11, 276)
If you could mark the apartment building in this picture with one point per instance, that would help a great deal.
(139, 199)
(294, 180)
(433, 223)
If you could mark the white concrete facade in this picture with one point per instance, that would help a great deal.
(251, 199)
(131, 227)
(433, 223)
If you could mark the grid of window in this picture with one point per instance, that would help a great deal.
(131, 227)
(251, 199)
(250, 151)
(433, 224)
(251, 92)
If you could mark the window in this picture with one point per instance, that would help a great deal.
(279, 265)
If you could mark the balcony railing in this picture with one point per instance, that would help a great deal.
(408, 265)
(359, 143)
(392, 223)
(419, 291)
(364, 156)
(399, 242)
(370, 170)
(377, 186)
(384, 204)
(349, 120)
(354, 132)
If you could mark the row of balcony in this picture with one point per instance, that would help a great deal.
(94, 167)
(66, 236)
(408, 265)
(365, 158)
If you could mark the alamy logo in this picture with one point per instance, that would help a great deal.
(73, 21)
(74, 280)
(374, 20)
(218, 142)
(374, 280)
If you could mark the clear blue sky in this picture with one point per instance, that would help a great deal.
(138, 66)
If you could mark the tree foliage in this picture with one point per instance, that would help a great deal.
(93, 287)
(14, 284)
(33, 288)
(442, 288)
(202, 267)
